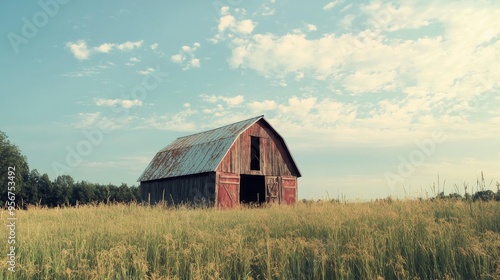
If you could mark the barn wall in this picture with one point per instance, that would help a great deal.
(288, 189)
(274, 158)
(228, 190)
(193, 189)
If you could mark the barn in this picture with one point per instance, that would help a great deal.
(243, 162)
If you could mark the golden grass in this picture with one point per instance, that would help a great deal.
(398, 240)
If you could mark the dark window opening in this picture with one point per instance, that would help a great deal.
(254, 153)
(252, 189)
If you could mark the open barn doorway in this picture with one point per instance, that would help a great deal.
(252, 189)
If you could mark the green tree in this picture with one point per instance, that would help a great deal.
(136, 192)
(32, 183)
(125, 193)
(83, 192)
(10, 156)
(65, 183)
(46, 190)
(113, 192)
(101, 193)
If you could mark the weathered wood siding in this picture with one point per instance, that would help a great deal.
(228, 191)
(289, 189)
(193, 189)
(275, 160)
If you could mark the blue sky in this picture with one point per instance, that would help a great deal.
(374, 98)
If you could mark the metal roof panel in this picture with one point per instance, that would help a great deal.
(196, 153)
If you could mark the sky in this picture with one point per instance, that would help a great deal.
(373, 98)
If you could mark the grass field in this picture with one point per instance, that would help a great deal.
(408, 239)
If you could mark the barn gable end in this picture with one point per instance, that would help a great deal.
(275, 157)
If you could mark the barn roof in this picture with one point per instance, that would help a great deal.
(198, 153)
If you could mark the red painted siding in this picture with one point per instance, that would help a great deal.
(228, 190)
(289, 189)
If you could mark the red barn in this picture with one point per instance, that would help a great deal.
(243, 162)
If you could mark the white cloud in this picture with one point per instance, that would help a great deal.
(128, 46)
(366, 61)
(225, 22)
(435, 78)
(361, 81)
(224, 10)
(230, 101)
(322, 121)
(298, 106)
(86, 120)
(265, 105)
(347, 21)
(104, 48)
(267, 11)
(174, 122)
(245, 26)
(186, 57)
(229, 24)
(177, 58)
(99, 120)
(233, 101)
(209, 98)
(289, 53)
(311, 27)
(146, 71)
(195, 63)
(125, 103)
(82, 52)
(154, 46)
(179, 121)
(79, 49)
(134, 59)
(331, 5)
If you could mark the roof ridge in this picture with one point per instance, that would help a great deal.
(220, 127)
(201, 143)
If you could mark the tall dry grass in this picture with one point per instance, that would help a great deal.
(389, 240)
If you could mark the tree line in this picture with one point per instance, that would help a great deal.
(33, 188)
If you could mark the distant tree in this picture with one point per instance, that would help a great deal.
(113, 193)
(65, 183)
(10, 156)
(440, 195)
(40, 190)
(136, 193)
(46, 191)
(101, 193)
(455, 196)
(487, 195)
(125, 193)
(31, 187)
(32, 193)
(83, 193)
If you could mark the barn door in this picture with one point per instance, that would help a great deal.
(228, 190)
(272, 189)
(289, 189)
